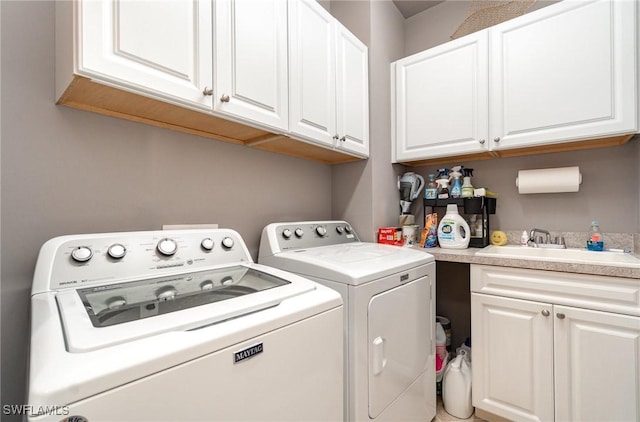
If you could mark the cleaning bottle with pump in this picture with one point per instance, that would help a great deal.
(595, 242)
(453, 230)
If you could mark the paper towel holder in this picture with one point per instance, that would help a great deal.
(550, 180)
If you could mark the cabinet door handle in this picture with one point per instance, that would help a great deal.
(336, 137)
(207, 91)
(496, 139)
(545, 312)
(344, 138)
(224, 98)
(560, 315)
(482, 141)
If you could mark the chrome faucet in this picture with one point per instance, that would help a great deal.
(540, 242)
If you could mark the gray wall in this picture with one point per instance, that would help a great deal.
(65, 171)
(609, 191)
(366, 193)
(388, 46)
(351, 184)
(435, 25)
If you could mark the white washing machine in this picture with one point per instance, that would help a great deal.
(389, 297)
(176, 326)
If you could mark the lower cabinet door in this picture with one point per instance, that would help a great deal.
(597, 356)
(512, 357)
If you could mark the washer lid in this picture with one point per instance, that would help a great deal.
(102, 316)
(353, 263)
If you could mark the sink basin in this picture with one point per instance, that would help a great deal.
(576, 256)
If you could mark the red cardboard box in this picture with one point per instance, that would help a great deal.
(390, 235)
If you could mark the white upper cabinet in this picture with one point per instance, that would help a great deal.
(563, 73)
(251, 79)
(352, 92)
(328, 80)
(162, 48)
(312, 75)
(278, 75)
(441, 100)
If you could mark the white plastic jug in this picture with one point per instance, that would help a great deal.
(456, 388)
(453, 230)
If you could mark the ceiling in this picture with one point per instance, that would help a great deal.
(409, 8)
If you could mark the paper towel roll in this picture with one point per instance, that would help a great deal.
(562, 179)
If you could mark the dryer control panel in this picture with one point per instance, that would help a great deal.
(308, 234)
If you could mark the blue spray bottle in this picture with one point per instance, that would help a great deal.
(456, 186)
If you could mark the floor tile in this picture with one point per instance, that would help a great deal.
(443, 416)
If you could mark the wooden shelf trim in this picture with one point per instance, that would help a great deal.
(85, 94)
(541, 149)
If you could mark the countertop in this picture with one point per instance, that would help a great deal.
(468, 256)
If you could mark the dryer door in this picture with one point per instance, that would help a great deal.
(399, 341)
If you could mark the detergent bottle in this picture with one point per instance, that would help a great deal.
(453, 230)
(456, 387)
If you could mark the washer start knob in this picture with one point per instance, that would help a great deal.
(227, 243)
(207, 244)
(167, 247)
(81, 254)
(321, 231)
(117, 251)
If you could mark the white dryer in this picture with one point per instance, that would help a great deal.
(178, 326)
(389, 297)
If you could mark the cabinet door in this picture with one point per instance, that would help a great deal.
(352, 92)
(162, 48)
(565, 72)
(251, 61)
(512, 357)
(441, 100)
(312, 80)
(597, 356)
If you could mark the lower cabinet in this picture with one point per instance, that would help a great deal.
(541, 360)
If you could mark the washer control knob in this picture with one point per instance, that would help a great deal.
(286, 233)
(117, 251)
(81, 254)
(340, 229)
(206, 285)
(321, 231)
(207, 244)
(167, 247)
(299, 232)
(166, 293)
(116, 302)
(347, 229)
(227, 243)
